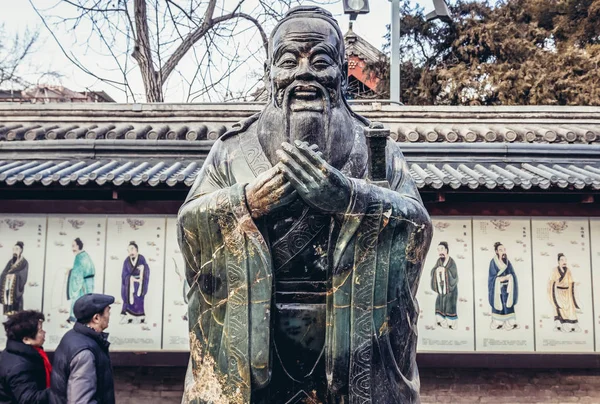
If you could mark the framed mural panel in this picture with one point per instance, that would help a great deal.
(75, 257)
(175, 329)
(564, 317)
(134, 275)
(595, 254)
(503, 285)
(446, 319)
(22, 252)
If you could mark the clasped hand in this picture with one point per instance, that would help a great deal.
(302, 172)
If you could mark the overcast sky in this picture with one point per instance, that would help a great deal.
(48, 56)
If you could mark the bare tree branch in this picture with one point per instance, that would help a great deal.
(163, 36)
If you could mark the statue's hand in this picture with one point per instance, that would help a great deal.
(319, 184)
(268, 192)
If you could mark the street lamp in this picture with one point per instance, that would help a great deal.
(355, 7)
(440, 11)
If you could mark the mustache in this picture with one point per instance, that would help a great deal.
(284, 95)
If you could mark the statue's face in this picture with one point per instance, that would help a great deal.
(305, 67)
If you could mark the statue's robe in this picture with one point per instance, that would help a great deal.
(561, 292)
(370, 271)
(502, 294)
(134, 286)
(12, 285)
(81, 279)
(445, 284)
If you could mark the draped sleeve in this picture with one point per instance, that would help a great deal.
(373, 311)
(228, 268)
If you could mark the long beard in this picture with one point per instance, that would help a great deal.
(15, 258)
(505, 259)
(332, 127)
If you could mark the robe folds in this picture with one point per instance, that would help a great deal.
(445, 284)
(134, 286)
(376, 251)
(81, 279)
(12, 284)
(81, 276)
(561, 292)
(502, 293)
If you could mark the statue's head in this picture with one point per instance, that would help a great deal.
(307, 78)
(306, 65)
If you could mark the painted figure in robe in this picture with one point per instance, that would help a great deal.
(444, 282)
(81, 277)
(503, 290)
(13, 280)
(135, 278)
(562, 296)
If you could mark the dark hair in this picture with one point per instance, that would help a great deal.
(134, 244)
(87, 320)
(79, 243)
(496, 245)
(559, 256)
(23, 324)
(20, 245)
(445, 244)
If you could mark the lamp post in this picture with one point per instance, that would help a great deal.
(356, 7)
(395, 52)
(440, 11)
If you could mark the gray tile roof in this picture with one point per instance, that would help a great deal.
(402, 132)
(164, 145)
(194, 122)
(170, 173)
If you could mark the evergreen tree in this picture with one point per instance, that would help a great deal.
(512, 52)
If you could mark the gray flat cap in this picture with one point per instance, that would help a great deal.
(90, 304)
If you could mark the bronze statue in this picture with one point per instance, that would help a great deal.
(303, 263)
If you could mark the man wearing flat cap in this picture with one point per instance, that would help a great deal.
(82, 371)
(303, 265)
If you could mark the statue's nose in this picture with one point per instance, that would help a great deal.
(304, 71)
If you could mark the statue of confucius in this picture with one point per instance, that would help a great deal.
(303, 270)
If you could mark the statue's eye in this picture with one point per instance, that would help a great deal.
(322, 62)
(288, 63)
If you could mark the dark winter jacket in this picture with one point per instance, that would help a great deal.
(22, 375)
(75, 342)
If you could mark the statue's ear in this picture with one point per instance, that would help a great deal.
(344, 74)
(267, 77)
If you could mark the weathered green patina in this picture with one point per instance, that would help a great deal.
(303, 263)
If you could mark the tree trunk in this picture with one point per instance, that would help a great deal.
(143, 55)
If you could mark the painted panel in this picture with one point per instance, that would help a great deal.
(595, 253)
(445, 294)
(22, 279)
(175, 330)
(74, 266)
(135, 275)
(503, 285)
(562, 285)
